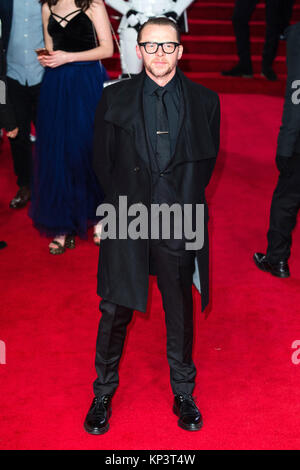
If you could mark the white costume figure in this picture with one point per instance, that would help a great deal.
(136, 13)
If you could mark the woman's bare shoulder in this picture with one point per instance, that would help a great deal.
(46, 9)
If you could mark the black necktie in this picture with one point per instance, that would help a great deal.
(163, 149)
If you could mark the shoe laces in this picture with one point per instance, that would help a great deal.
(105, 399)
(100, 404)
(187, 404)
(185, 396)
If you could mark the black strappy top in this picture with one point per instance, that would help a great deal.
(76, 35)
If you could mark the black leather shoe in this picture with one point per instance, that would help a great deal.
(96, 421)
(238, 71)
(21, 198)
(281, 269)
(185, 408)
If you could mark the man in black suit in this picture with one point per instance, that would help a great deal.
(286, 198)
(7, 115)
(156, 141)
(243, 11)
(22, 33)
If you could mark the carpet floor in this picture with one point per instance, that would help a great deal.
(247, 384)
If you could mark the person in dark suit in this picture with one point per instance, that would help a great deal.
(156, 141)
(22, 33)
(7, 116)
(243, 11)
(286, 198)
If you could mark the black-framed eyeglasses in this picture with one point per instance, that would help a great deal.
(152, 47)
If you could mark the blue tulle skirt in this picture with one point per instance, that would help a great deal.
(65, 191)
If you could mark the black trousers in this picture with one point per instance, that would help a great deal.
(24, 99)
(283, 216)
(175, 279)
(243, 11)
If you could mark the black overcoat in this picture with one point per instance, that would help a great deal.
(6, 12)
(121, 163)
(289, 135)
(7, 115)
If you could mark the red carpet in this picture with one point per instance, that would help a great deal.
(210, 47)
(247, 386)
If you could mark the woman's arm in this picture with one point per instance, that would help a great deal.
(98, 15)
(45, 17)
(47, 38)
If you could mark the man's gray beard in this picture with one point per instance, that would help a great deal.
(167, 72)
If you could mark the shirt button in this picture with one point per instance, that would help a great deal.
(25, 52)
(26, 19)
(25, 35)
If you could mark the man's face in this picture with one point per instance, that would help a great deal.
(159, 64)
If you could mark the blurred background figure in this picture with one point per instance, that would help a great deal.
(135, 13)
(286, 197)
(22, 33)
(243, 11)
(7, 116)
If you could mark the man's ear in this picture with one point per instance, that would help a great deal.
(180, 51)
(138, 52)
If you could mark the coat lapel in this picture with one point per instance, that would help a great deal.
(127, 112)
(192, 138)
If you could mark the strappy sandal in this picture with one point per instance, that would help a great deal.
(59, 248)
(96, 239)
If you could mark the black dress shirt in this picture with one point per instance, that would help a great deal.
(162, 186)
(172, 102)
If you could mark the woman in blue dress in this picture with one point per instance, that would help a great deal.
(65, 191)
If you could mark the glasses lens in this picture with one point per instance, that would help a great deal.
(151, 47)
(169, 47)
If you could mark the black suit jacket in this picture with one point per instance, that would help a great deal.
(121, 163)
(6, 12)
(7, 115)
(289, 135)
